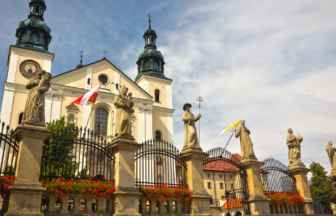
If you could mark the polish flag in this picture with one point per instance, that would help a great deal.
(91, 96)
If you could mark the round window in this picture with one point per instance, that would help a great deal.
(103, 79)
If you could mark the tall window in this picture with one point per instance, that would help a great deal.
(157, 95)
(20, 118)
(156, 65)
(147, 65)
(157, 135)
(101, 121)
(221, 186)
(209, 185)
(71, 118)
(34, 38)
(23, 37)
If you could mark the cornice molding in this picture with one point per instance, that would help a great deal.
(31, 51)
(153, 78)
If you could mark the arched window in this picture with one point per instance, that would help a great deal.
(101, 121)
(147, 65)
(37, 10)
(157, 135)
(157, 95)
(44, 42)
(156, 65)
(34, 38)
(20, 118)
(23, 37)
(71, 118)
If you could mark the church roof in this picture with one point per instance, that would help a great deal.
(104, 59)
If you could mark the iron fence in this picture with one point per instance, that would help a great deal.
(158, 162)
(8, 151)
(72, 154)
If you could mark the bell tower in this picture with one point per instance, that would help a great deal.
(27, 57)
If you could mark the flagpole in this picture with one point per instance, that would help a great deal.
(227, 144)
(88, 119)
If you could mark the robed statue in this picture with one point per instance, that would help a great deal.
(246, 144)
(331, 151)
(124, 104)
(34, 109)
(294, 148)
(190, 133)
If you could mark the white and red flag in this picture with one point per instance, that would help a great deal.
(91, 96)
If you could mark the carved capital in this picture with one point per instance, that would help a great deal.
(141, 110)
(149, 111)
(48, 96)
(58, 97)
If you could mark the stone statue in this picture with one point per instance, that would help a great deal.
(100, 127)
(332, 156)
(190, 133)
(294, 148)
(34, 109)
(246, 144)
(124, 104)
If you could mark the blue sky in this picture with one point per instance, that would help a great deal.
(271, 63)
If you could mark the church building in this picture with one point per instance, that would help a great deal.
(151, 89)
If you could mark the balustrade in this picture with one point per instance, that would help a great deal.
(283, 209)
(171, 206)
(77, 203)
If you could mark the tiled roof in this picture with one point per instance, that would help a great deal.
(222, 165)
(232, 203)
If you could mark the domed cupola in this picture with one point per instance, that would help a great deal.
(33, 33)
(150, 60)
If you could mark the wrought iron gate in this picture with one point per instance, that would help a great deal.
(8, 151)
(158, 162)
(276, 178)
(71, 153)
(233, 182)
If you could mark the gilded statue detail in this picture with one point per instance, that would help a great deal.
(190, 132)
(331, 151)
(294, 148)
(124, 104)
(246, 144)
(34, 108)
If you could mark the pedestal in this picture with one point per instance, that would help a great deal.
(127, 196)
(259, 203)
(200, 199)
(26, 194)
(300, 174)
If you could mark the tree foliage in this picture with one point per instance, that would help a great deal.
(321, 186)
(58, 151)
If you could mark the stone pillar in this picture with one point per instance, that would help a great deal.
(127, 196)
(259, 203)
(200, 199)
(300, 174)
(26, 194)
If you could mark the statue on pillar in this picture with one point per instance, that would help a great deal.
(294, 148)
(331, 151)
(124, 104)
(246, 144)
(190, 132)
(34, 108)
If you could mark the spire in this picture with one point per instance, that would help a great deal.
(33, 33)
(149, 16)
(150, 60)
(81, 61)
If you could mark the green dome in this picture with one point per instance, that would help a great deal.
(150, 31)
(35, 23)
(150, 53)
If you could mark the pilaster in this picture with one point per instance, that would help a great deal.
(26, 194)
(127, 196)
(200, 200)
(259, 203)
(300, 174)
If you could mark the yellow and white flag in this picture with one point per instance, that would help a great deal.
(232, 128)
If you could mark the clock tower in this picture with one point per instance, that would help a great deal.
(29, 55)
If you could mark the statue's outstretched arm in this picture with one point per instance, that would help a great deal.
(197, 118)
(32, 83)
(185, 117)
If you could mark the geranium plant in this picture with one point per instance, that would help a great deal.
(285, 198)
(62, 187)
(164, 192)
(5, 182)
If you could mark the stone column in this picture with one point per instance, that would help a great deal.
(127, 196)
(200, 199)
(259, 203)
(300, 174)
(26, 194)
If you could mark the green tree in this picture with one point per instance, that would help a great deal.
(58, 151)
(9, 170)
(321, 186)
